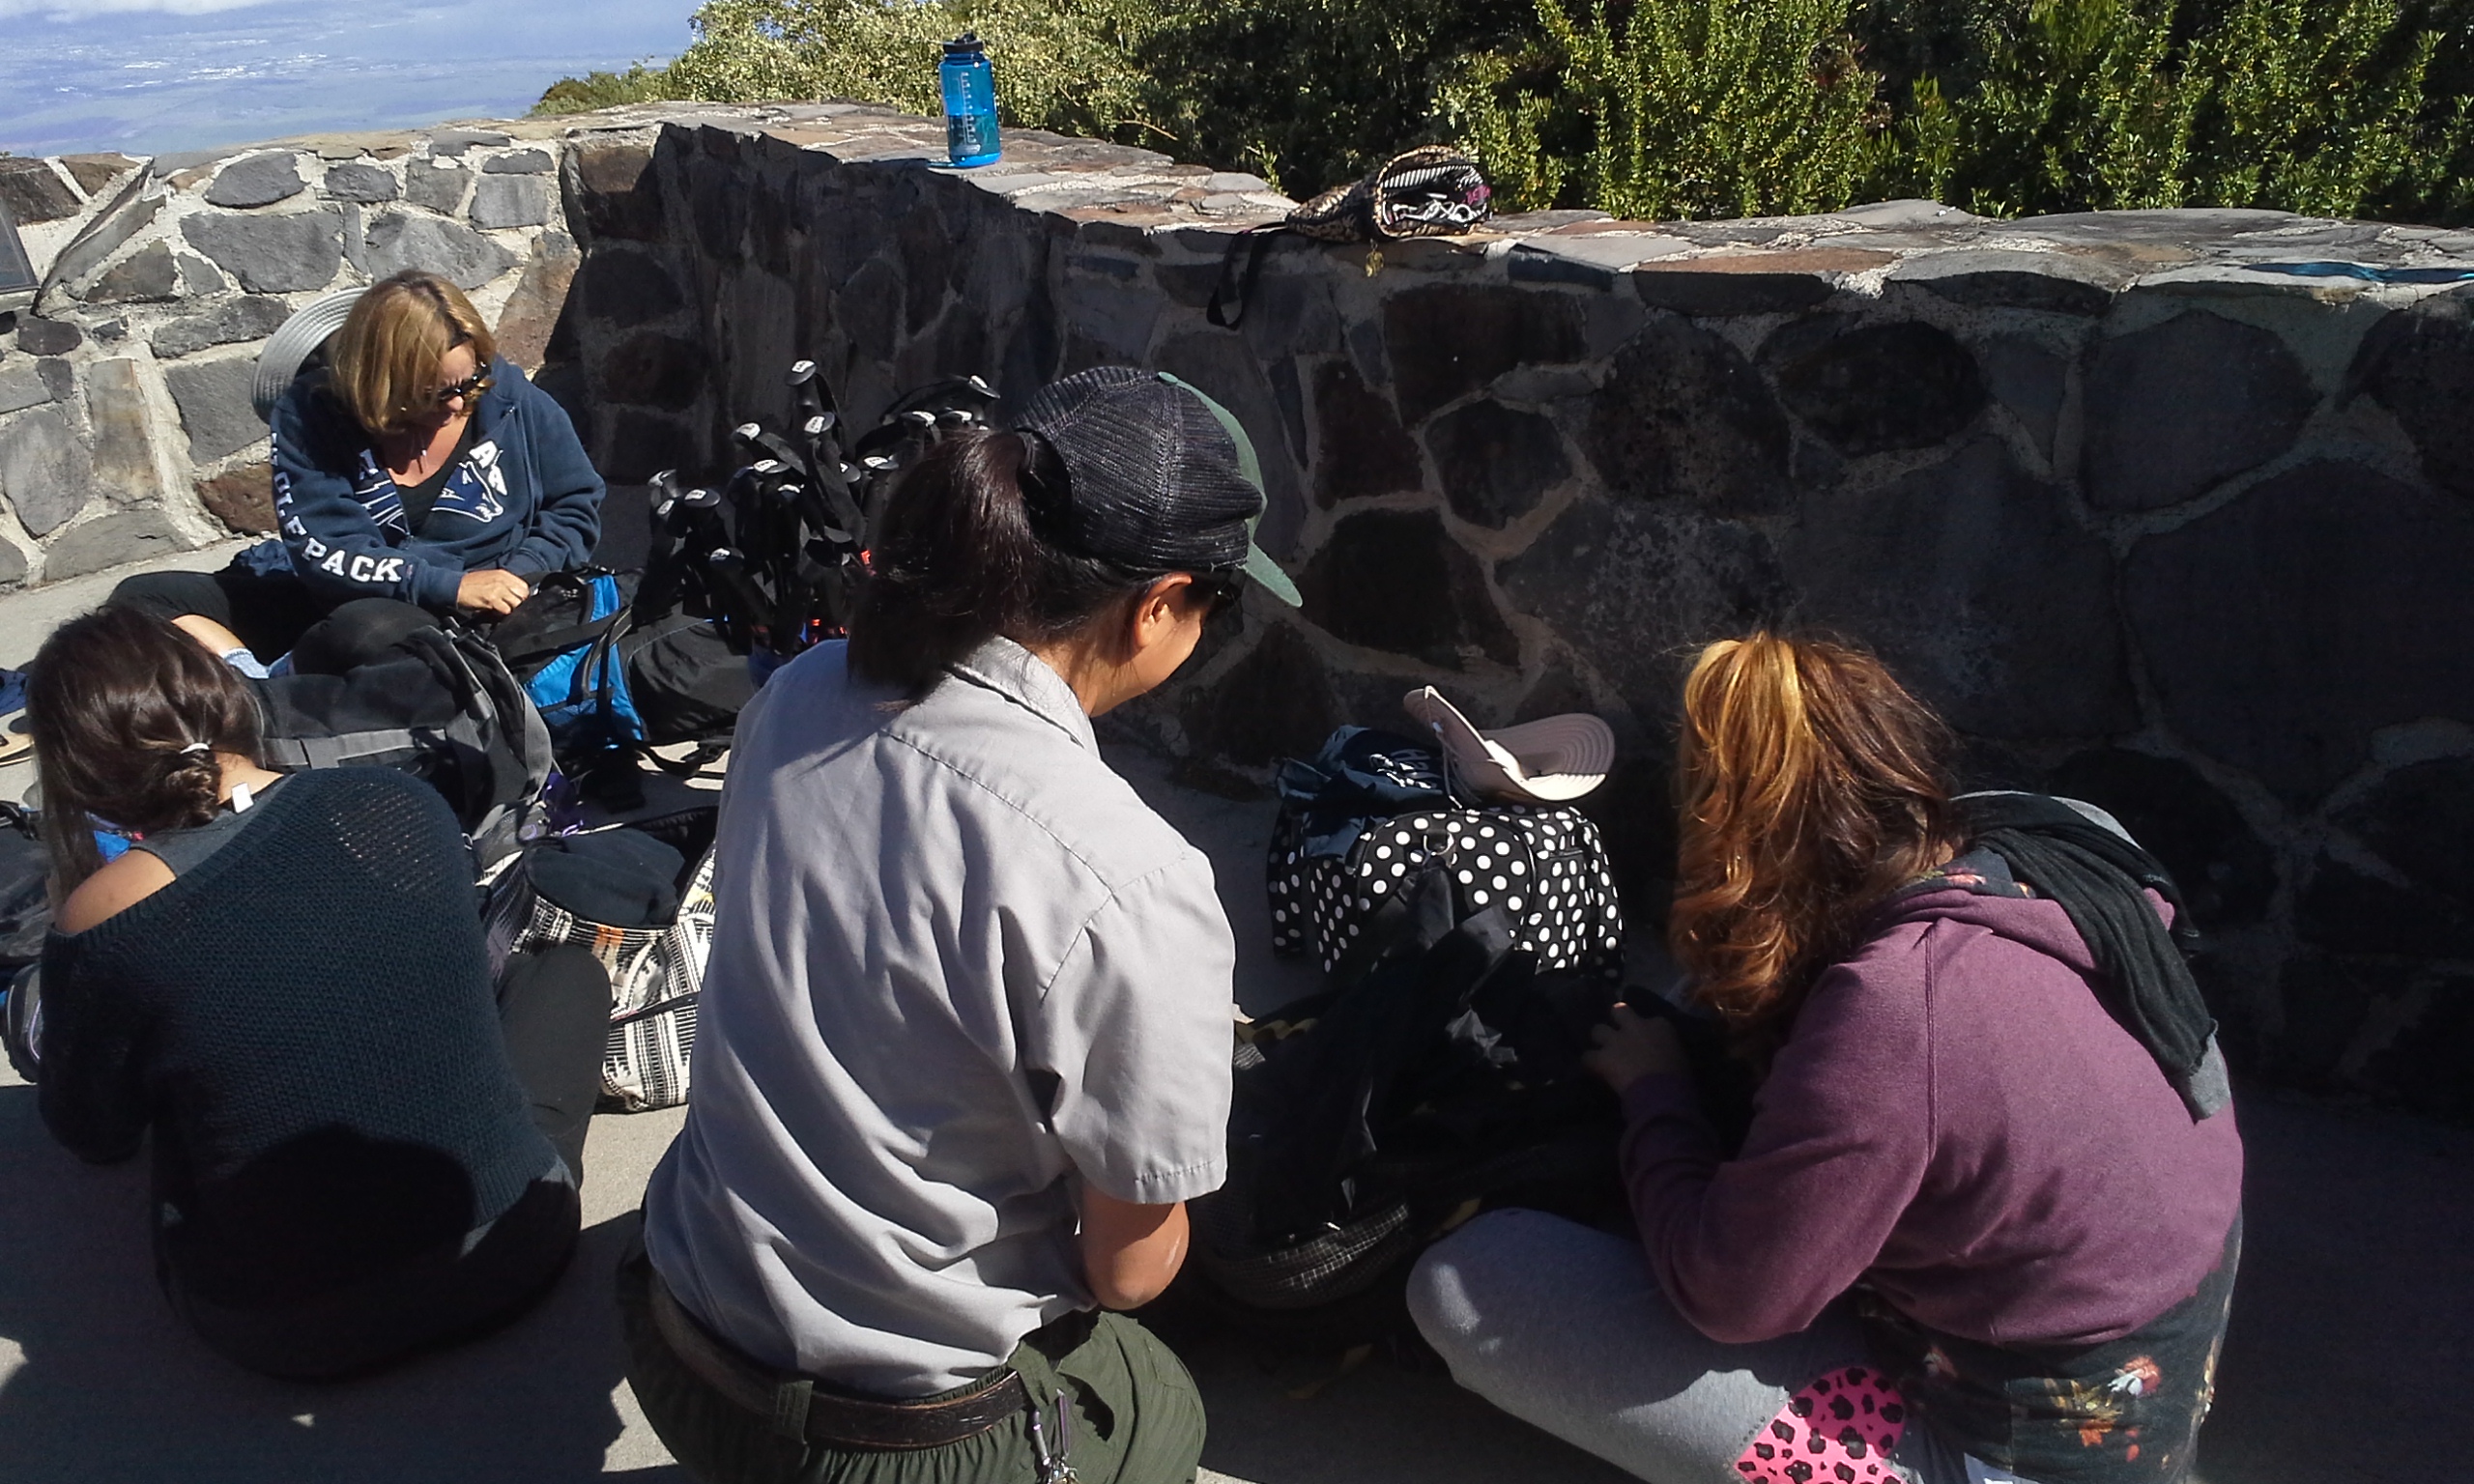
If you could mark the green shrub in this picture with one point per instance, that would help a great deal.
(638, 84)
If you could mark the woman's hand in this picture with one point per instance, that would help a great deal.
(491, 590)
(1631, 1046)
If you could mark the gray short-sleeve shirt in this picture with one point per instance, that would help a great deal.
(958, 966)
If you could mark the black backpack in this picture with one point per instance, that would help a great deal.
(439, 704)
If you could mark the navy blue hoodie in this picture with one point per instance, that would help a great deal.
(527, 500)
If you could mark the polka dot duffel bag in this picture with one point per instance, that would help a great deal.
(1368, 817)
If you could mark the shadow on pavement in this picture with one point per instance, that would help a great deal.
(108, 1386)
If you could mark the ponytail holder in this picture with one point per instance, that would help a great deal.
(197, 750)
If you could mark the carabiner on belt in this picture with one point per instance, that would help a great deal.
(1053, 1467)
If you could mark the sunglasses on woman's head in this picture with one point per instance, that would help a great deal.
(470, 386)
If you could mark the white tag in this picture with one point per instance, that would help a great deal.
(240, 798)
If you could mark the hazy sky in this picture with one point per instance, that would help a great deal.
(152, 76)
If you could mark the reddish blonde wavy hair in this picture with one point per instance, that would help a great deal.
(1811, 786)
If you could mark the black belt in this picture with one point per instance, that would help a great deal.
(831, 1419)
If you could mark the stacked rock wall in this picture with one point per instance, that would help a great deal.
(126, 428)
(2167, 510)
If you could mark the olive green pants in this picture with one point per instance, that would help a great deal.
(1137, 1418)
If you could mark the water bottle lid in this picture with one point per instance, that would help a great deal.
(966, 45)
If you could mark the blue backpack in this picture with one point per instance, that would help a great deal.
(564, 644)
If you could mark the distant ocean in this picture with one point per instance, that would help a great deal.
(155, 76)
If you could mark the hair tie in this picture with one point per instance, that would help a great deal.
(196, 750)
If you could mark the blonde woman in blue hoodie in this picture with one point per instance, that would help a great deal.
(414, 465)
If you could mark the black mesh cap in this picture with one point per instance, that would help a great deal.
(1160, 477)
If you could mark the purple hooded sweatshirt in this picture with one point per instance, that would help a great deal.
(1957, 1119)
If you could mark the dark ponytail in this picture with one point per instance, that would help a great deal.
(959, 559)
(118, 703)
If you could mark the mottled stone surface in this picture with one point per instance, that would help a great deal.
(510, 201)
(1496, 464)
(146, 275)
(652, 370)
(1972, 581)
(247, 318)
(1684, 416)
(33, 193)
(399, 240)
(22, 385)
(2277, 630)
(436, 185)
(531, 314)
(2227, 875)
(243, 499)
(121, 422)
(1363, 450)
(2028, 380)
(1875, 389)
(2419, 364)
(612, 192)
(48, 337)
(1445, 340)
(2177, 408)
(213, 399)
(92, 173)
(519, 162)
(270, 254)
(45, 471)
(199, 277)
(1277, 702)
(114, 540)
(359, 180)
(1996, 278)
(455, 141)
(260, 180)
(13, 564)
(1395, 580)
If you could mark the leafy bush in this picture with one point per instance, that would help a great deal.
(638, 84)
(1661, 108)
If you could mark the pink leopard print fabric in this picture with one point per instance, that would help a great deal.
(1839, 1430)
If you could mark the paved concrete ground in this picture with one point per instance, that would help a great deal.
(2355, 1313)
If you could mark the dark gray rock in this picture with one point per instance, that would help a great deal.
(58, 374)
(2323, 1002)
(1495, 462)
(401, 240)
(33, 193)
(13, 564)
(1993, 278)
(1361, 450)
(1275, 702)
(199, 277)
(2285, 630)
(2029, 380)
(435, 186)
(652, 370)
(2429, 1065)
(1875, 389)
(1635, 586)
(359, 180)
(1764, 283)
(1291, 314)
(250, 318)
(1395, 580)
(613, 193)
(510, 201)
(455, 141)
(288, 254)
(2418, 819)
(260, 180)
(2227, 876)
(530, 322)
(1683, 416)
(518, 162)
(22, 386)
(1972, 581)
(213, 399)
(147, 275)
(2419, 364)
(115, 540)
(2178, 409)
(43, 469)
(870, 307)
(49, 337)
(120, 429)
(1445, 340)
(2348, 911)
(641, 445)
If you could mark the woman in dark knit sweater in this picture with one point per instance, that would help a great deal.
(357, 1152)
(1980, 1228)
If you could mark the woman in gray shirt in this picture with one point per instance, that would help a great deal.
(965, 1029)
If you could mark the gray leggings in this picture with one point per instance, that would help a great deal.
(1562, 1327)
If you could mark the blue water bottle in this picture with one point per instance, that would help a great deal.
(971, 102)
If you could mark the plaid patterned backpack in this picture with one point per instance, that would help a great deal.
(1433, 190)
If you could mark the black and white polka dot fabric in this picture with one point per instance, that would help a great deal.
(1543, 866)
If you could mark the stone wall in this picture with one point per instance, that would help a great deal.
(126, 428)
(2155, 517)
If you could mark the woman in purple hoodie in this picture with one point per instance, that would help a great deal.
(1984, 1223)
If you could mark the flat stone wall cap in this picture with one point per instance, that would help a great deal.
(455, 141)
(2235, 281)
(1607, 249)
(1908, 212)
(179, 161)
(94, 172)
(1751, 282)
(2181, 226)
(260, 180)
(33, 192)
(518, 162)
(1997, 279)
(1558, 221)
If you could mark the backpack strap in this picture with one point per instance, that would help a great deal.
(293, 754)
(1228, 296)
